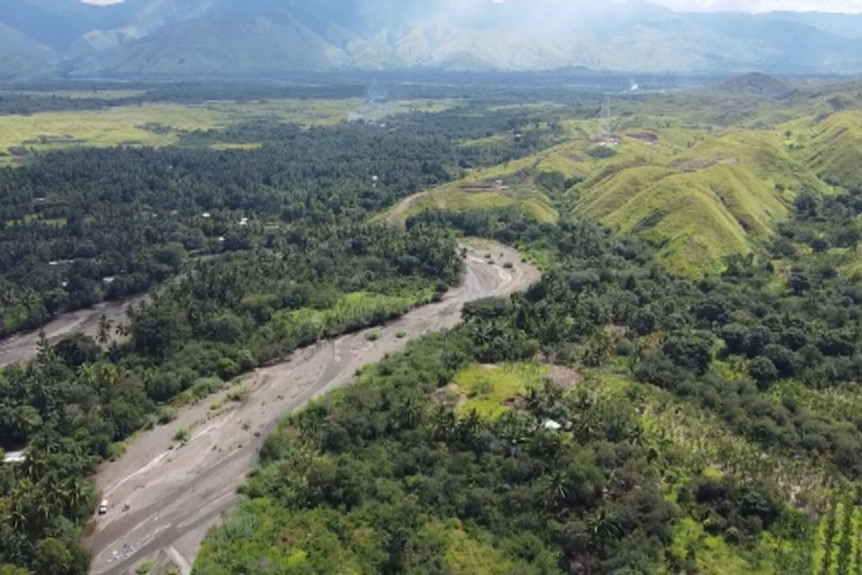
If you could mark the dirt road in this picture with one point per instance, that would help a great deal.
(23, 347)
(176, 493)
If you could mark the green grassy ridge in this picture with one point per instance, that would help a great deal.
(835, 153)
(611, 189)
(453, 197)
(720, 198)
(700, 192)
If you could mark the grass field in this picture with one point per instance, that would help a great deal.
(162, 124)
(835, 151)
(488, 389)
(454, 198)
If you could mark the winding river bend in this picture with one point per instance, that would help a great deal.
(163, 499)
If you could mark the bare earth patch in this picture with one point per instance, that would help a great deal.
(176, 493)
(564, 376)
(451, 396)
(519, 402)
(645, 138)
(701, 164)
(403, 207)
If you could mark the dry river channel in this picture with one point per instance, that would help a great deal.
(163, 497)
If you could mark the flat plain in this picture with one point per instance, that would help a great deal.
(162, 124)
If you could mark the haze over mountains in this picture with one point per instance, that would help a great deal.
(152, 38)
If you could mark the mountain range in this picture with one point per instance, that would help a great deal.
(171, 38)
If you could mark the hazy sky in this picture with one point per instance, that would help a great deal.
(744, 5)
(766, 5)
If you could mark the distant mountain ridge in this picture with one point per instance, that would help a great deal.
(151, 38)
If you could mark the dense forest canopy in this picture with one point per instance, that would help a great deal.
(88, 225)
(588, 498)
(227, 316)
(614, 418)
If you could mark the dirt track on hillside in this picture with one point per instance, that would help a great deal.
(175, 494)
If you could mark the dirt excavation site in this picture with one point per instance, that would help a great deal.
(164, 496)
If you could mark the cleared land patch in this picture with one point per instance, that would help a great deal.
(492, 389)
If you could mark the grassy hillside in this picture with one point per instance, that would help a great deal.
(835, 152)
(722, 196)
(510, 185)
(705, 182)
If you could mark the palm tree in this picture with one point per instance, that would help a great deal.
(56, 498)
(443, 423)
(603, 530)
(121, 329)
(104, 335)
(76, 492)
(470, 432)
(511, 430)
(17, 517)
(409, 414)
(88, 374)
(43, 346)
(108, 374)
(551, 392)
(554, 491)
(588, 427)
(534, 400)
(27, 419)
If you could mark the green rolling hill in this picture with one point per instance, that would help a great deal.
(835, 153)
(698, 191)
(723, 196)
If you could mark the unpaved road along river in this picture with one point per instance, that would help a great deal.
(174, 495)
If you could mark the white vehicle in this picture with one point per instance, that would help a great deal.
(103, 507)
